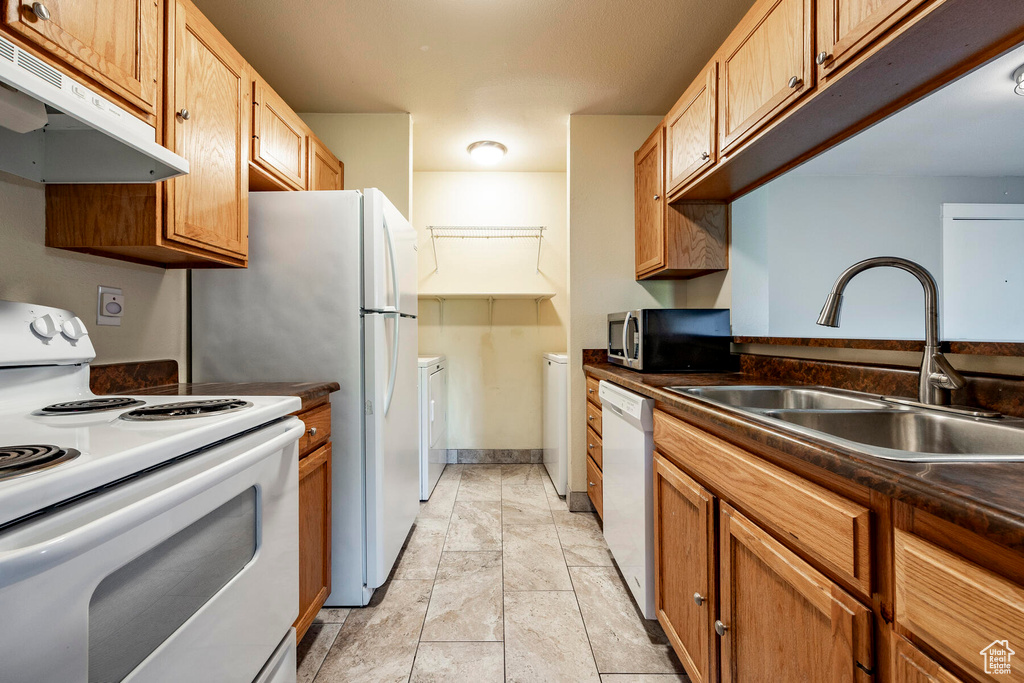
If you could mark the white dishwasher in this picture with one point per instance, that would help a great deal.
(627, 436)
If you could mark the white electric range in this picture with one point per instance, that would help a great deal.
(141, 538)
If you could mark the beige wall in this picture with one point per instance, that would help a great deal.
(602, 276)
(154, 324)
(494, 368)
(375, 148)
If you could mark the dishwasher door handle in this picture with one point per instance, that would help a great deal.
(615, 409)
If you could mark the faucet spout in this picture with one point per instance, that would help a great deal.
(938, 377)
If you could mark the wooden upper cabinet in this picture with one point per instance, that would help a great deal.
(115, 42)
(683, 568)
(208, 124)
(649, 203)
(780, 615)
(690, 131)
(765, 65)
(278, 139)
(325, 171)
(844, 27)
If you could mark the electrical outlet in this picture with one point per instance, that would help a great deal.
(109, 306)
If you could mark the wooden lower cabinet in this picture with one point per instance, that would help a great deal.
(780, 615)
(684, 548)
(314, 535)
(595, 487)
(910, 665)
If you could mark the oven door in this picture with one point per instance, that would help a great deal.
(625, 341)
(188, 573)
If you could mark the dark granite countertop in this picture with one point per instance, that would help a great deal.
(986, 498)
(311, 393)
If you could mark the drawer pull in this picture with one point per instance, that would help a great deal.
(720, 628)
(590, 417)
(699, 599)
(312, 431)
(39, 9)
(591, 483)
(590, 391)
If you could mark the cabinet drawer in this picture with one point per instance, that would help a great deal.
(593, 387)
(318, 428)
(594, 418)
(957, 607)
(595, 487)
(594, 448)
(827, 527)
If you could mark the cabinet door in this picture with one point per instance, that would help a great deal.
(209, 126)
(325, 171)
(116, 42)
(910, 665)
(314, 535)
(780, 615)
(690, 131)
(683, 556)
(595, 487)
(278, 138)
(765, 65)
(847, 26)
(649, 204)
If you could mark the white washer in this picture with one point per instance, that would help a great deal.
(433, 385)
(556, 424)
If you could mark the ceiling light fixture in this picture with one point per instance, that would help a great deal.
(487, 152)
(1018, 78)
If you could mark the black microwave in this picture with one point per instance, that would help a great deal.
(672, 340)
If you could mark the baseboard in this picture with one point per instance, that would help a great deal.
(495, 456)
(579, 501)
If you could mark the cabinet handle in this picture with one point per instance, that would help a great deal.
(184, 115)
(822, 58)
(698, 598)
(312, 431)
(795, 82)
(720, 628)
(704, 156)
(39, 9)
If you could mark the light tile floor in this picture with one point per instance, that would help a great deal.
(498, 582)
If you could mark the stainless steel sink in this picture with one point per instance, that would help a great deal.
(919, 435)
(870, 425)
(790, 398)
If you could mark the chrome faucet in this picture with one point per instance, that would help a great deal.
(938, 378)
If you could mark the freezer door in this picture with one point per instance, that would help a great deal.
(392, 440)
(389, 257)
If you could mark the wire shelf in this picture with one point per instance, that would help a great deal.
(484, 232)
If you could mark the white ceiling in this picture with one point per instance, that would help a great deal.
(467, 70)
(972, 127)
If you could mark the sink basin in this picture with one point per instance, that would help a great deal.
(789, 398)
(914, 435)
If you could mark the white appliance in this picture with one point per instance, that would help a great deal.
(627, 442)
(330, 294)
(433, 385)
(56, 129)
(555, 424)
(141, 538)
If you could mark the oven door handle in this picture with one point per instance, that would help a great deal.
(625, 334)
(21, 563)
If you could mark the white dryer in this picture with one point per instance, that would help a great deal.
(433, 384)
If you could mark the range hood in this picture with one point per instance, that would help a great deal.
(54, 129)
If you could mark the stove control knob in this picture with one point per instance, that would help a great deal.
(74, 329)
(45, 326)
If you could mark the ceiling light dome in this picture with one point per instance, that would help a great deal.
(487, 152)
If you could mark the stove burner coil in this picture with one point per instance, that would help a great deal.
(92, 405)
(186, 409)
(17, 460)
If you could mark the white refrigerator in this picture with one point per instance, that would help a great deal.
(330, 295)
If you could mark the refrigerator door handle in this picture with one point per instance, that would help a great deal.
(394, 365)
(394, 267)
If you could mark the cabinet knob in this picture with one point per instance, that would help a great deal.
(720, 628)
(590, 417)
(591, 483)
(590, 445)
(590, 391)
(822, 58)
(184, 115)
(656, 197)
(311, 431)
(705, 156)
(39, 9)
(698, 598)
(795, 82)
